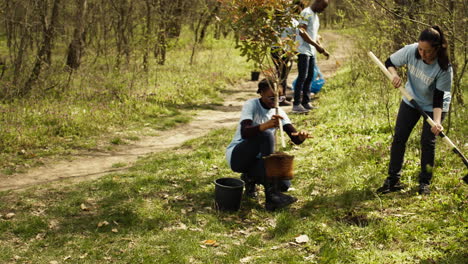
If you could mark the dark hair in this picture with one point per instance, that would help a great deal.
(299, 3)
(436, 38)
(265, 84)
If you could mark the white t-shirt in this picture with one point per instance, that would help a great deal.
(311, 20)
(253, 110)
(423, 78)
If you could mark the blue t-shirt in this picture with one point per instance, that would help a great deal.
(253, 110)
(423, 78)
(311, 20)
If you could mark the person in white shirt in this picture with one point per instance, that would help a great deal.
(254, 139)
(282, 57)
(308, 45)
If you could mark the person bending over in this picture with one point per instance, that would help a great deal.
(429, 83)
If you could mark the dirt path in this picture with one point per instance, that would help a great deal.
(93, 165)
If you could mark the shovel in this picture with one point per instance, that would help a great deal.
(416, 105)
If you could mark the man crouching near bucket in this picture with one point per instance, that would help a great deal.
(254, 139)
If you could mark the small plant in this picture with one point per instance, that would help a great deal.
(117, 141)
(258, 25)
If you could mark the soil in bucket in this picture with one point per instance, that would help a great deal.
(228, 193)
(279, 166)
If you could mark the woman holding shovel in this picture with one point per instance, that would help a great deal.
(254, 139)
(429, 83)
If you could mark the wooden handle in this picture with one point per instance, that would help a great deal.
(283, 143)
(401, 88)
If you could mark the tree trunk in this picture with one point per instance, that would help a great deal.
(75, 49)
(147, 35)
(398, 38)
(45, 51)
(207, 22)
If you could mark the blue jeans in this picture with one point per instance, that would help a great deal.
(247, 157)
(305, 67)
(406, 120)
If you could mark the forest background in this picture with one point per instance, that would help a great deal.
(76, 74)
(71, 70)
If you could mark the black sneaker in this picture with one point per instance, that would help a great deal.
(424, 189)
(250, 187)
(277, 200)
(388, 187)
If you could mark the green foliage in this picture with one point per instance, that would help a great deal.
(161, 211)
(98, 102)
(258, 25)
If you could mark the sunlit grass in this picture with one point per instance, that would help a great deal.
(99, 102)
(161, 210)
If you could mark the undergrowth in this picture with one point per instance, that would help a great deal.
(162, 209)
(101, 100)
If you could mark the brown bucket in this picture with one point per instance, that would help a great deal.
(279, 166)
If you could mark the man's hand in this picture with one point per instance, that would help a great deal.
(303, 135)
(326, 54)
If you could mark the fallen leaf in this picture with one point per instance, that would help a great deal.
(40, 236)
(67, 258)
(84, 207)
(103, 223)
(302, 239)
(246, 260)
(211, 243)
(115, 230)
(53, 224)
(9, 215)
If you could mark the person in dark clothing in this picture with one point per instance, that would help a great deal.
(429, 82)
(254, 139)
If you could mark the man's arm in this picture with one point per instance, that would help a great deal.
(306, 37)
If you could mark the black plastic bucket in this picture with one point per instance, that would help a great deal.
(228, 193)
(254, 76)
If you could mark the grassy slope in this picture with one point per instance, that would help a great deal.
(162, 209)
(99, 103)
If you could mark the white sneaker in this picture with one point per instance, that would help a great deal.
(309, 106)
(299, 109)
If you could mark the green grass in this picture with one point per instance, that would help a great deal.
(100, 102)
(162, 209)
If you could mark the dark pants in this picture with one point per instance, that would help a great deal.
(406, 120)
(282, 68)
(305, 67)
(245, 158)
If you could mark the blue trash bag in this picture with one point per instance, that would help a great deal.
(317, 81)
